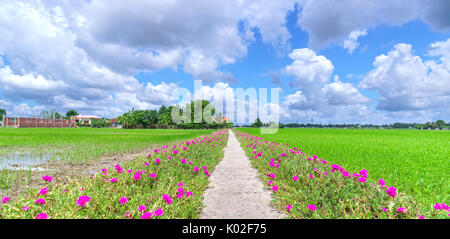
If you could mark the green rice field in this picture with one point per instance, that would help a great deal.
(417, 162)
(84, 144)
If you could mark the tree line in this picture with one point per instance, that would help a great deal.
(438, 124)
(162, 118)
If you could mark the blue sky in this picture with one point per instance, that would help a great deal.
(377, 62)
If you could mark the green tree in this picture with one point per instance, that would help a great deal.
(258, 123)
(2, 112)
(440, 124)
(152, 116)
(57, 115)
(100, 123)
(205, 108)
(71, 113)
(165, 115)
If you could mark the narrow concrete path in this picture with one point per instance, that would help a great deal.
(235, 191)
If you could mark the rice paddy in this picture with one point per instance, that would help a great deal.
(82, 144)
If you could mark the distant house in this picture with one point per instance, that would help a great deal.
(114, 122)
(84, 119)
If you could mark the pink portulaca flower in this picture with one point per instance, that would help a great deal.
(47, 178)
(363, 173)
(437, 206)
(362, 179)
(295, 178)
(312, 207)
(275, 188)
(146, 215)
(123, 200)
(391, 191)
(183, 161)
(129, 215)
(311, 176)
(175, 152)
(142, 208)
(422, 217)
(180, 195)
(5, 199)
(113, 180)
(381, 182)
(167, 199)
(43, 191)
(137, 176)
(25, 208)
(42, 216)
(82, 200)
(104, 171)
(270, 182)
(288, 207)
(180, 190)
(401, 210)
(180, 184)
(153, 175)
(157, 161)
(189, 194)
(40, 201)
(168, 157)
(158, 212)
(195, 169)
(384, 209)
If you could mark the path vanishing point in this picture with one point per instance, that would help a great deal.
(235, 191)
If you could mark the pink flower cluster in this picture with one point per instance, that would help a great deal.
(83, 200)
(167, 199)
(5, 199)
(391, 191)
(119, 169)
(441, 206)
(123, 200)
(47, 178)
